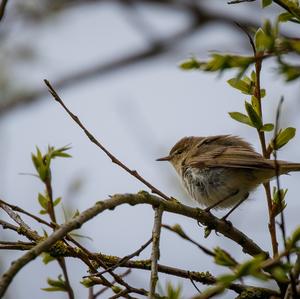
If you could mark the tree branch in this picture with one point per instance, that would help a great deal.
(203, 217)
(2, 8)
(155, 250)
(203, 277)
(113, 158)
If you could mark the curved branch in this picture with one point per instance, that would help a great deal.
(203, 217)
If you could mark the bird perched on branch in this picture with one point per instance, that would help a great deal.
(220, 171)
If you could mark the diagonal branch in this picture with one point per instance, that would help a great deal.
(122, 260)
(20, 210)
(113, 158)
(178, 230)
(23, 228)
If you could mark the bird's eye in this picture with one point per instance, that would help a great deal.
(179, 152)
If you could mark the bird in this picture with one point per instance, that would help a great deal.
(220, 171)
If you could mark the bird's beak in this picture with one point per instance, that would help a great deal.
(167, 158)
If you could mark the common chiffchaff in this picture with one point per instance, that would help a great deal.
(221, 170)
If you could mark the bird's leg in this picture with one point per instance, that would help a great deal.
(237, 205)
(235, 192)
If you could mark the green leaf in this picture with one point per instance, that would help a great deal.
(279, 203)
(283, 137)
(190, 64)
(262, 40)
(240, 84)
(290, 72)
(207, 232)
(267, 28)
(39, 155)
(178, 229)
(43, 172)
(60, 152)
(254, 117)
(57, 201)
(47, 258)
(87, 282)
(285, 17)
(173, 292)
(251, 267)
(58, 283)
(35, 161)
(81, 236)
(223, 258)
(53, 289)
(262, 93)
(242, 118)
(255, 104)
(76, 213)
(295, 237)
(43, 212)
(43, 201)
(227, 278)
(280, 274)
(266, 3)
(267, 127)
(116, 289)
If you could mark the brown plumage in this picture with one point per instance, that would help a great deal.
(224, 166)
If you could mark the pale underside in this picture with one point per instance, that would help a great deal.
(209, 186)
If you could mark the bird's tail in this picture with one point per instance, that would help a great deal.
(286, 167)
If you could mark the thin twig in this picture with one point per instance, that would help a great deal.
(20, 210)
(24, 229)
(51, 212)
(282, 225)
(7, 225)
(183, 235)
(261, 134)
(50, 208)
(100, 262)
(134, 173)
(14, 216)
(258, 56)
(123, 260)
(239, 1)
(120, 294)
(292, 287)
(19, 245)
(285, 6)
(100, 292)
(63, 266)
(158, 212)
(194, 284)
(2, 8)
(98, 280)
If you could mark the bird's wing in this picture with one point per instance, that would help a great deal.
(233, 157)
